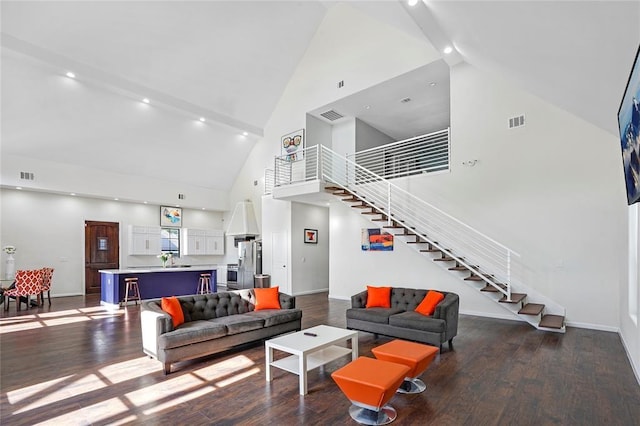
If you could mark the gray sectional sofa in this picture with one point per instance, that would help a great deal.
(402, 322)
(213, 323)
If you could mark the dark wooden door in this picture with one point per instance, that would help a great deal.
(101, 251)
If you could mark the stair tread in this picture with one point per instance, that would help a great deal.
(458, 268)
(491, 288)
(443, 259)
(431, 250)
(474, 278)
(531, 309)
(361, 207)
(552, 321)
(515, 298)
(372, 213)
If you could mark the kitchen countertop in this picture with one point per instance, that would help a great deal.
(143, 270)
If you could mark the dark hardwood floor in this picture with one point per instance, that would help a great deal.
(75, 363)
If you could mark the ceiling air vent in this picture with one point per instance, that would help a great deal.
(332, 115)
(516, 121)
(26, 176)
(405, 100)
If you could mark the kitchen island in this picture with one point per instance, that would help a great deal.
(153, 282)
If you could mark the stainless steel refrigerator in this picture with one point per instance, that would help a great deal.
(249, 262)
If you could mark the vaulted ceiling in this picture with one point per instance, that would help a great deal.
(229, 62)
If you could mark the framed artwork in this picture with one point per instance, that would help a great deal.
(292, 145)
(311, 236)
(374, 239)
(629, 126)
(170, 216)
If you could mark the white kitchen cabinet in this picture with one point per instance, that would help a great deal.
(202, 242)
(144, 240)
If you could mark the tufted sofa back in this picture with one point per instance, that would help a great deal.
(216, 305)
(404, 299)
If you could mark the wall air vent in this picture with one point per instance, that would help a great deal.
(180, 196)
(332, 115)
(516, 121)
(405, 100)
(27, 176)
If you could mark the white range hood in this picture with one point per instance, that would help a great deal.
(243, 220)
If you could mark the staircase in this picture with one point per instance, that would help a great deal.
(481, 262)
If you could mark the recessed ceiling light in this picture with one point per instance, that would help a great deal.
(448, 50)
(245, 133)
(115, 199)
(412, 2)
(71, 75)
(202, 119)
(73, 194)
(367, 107)
(18, 187)
(145, 202)
(433, 83)
(203, 208)
(146, 100)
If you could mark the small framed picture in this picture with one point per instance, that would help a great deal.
(170, 216)
(311, 236)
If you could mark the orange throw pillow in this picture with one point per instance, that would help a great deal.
(267, 298)
(378, 297)
(428, 304)
(171, 305)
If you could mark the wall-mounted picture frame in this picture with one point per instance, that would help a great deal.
(311, 236)
(629, 126)
(374, 239)
(170, 216)
(292, 145)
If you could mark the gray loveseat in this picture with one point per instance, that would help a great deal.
(213, 323)
(402, 322)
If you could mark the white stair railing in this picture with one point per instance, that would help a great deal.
(492, 261)
(421, 154)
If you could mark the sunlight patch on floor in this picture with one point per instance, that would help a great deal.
(172, 402)
(83, 385)
(237, 377)
(18, 395)
(19, 327)
(164, 390)
(102, 411)
(50, 319)
(224, 368)
(127, 370)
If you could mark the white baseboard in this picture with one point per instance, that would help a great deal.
(590, 326)
(303, 293)
(634, 367)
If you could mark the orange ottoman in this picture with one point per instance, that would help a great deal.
(414, 355)
(369, 384)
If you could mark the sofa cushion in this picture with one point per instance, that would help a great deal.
(209, 306)
(171, 305)
(239, 323)
(377, 315)
(191, 332)
(276, 316)
(378, 297)
(417, 321)
(428, 304)
(267, 298)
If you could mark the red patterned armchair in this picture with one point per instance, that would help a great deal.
(46, 284)
(27, 283)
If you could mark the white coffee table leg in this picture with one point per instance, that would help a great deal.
(354, 347)
(269, 360)
(303, 373)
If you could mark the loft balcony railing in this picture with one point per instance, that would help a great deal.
(493, 262)
(422, 154)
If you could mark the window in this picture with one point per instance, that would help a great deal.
(170, 240)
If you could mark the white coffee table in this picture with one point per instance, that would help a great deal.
(309, 352)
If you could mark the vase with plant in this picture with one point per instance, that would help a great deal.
(10, 267)
(164, 257)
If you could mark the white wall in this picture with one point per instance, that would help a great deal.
(369, 137)
(630, 292)
(309, 262)
(348, 46)
(48, 230)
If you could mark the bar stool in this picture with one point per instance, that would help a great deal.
(204, 284)
(131, 285)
